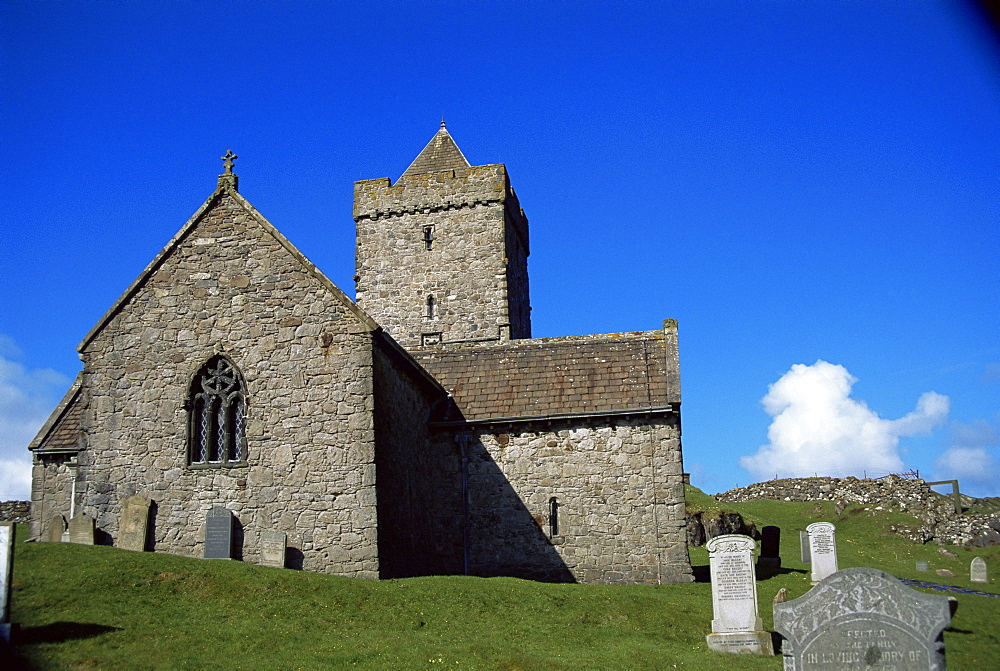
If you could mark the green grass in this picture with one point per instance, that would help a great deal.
(82, 607)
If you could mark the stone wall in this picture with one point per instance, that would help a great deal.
(586, 500)
(231, 284)
(939, 521)
(419, 483)
(15, 511)
(51, 486)
(475, 269)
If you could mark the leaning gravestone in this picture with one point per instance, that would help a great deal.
(7, 535)
(219, 533)
(134, 524)
(272, 548)
(862, 618)
(736, 627)
(81, 529)
(822, 550)
(57, 527)
(977, 571)
(770, 556)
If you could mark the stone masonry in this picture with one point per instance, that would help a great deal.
(462, 237)
(419, 431)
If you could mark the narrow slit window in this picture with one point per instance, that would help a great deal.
(428, 237)
(553, 517)
(430, 307)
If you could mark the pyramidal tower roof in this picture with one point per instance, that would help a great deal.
(440, 154)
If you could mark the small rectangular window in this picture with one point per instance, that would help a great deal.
(428, 237)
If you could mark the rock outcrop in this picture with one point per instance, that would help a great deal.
(939, 522)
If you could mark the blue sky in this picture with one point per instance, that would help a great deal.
(809, 188)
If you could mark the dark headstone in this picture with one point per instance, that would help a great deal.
(862, 618)
(132, 528)
(57, 527)
(770, 554)
(81, 530)
(7, 536)
(219, 533)
(804, 547)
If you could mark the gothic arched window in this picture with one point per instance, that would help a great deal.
(217, 415)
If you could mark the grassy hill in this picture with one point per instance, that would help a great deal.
(82, 607)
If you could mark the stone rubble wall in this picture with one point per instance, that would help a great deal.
(15, 511)
(231, 287)
(936, 512)
(479, 285)
(418, 482)
(618, 493)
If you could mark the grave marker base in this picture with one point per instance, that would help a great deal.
(741, 642)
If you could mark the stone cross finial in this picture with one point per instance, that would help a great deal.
(228, 179)
(227, 161)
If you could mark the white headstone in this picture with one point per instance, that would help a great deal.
(7, 533)
(978, 570)
(736, 627)
(822, 550)
(272, 548)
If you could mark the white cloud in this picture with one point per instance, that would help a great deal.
(819, 429)
(26, 399)
(971, 458)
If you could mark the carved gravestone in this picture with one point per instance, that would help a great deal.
(770, 555)
(923, 566)
(134, 524)
(822, 550)
(804, 547)
(81, 529)
(272, 548)
(7, 535)
(57, 527)
(219, 533)
(862, 618)
(736, 627)
(977, 571)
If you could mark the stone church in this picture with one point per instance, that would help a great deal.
(416, 430)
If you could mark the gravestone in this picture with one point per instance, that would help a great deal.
(770, 555)
(862, 618)
(219, 533)
(272, 548)
(804, 547)
(977, 572)
(736, 627)
(134, 524)
(57, 527)
(81, 529)
(822, 550)
(7, 536)
(923, 566)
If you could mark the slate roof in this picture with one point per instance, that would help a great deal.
(440, 154)
(63, 431)
(544, 377)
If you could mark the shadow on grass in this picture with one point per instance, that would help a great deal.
(768, 572)
(59, 632)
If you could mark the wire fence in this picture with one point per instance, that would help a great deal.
(863, 474)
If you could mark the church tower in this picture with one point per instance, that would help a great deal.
(442, 254)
